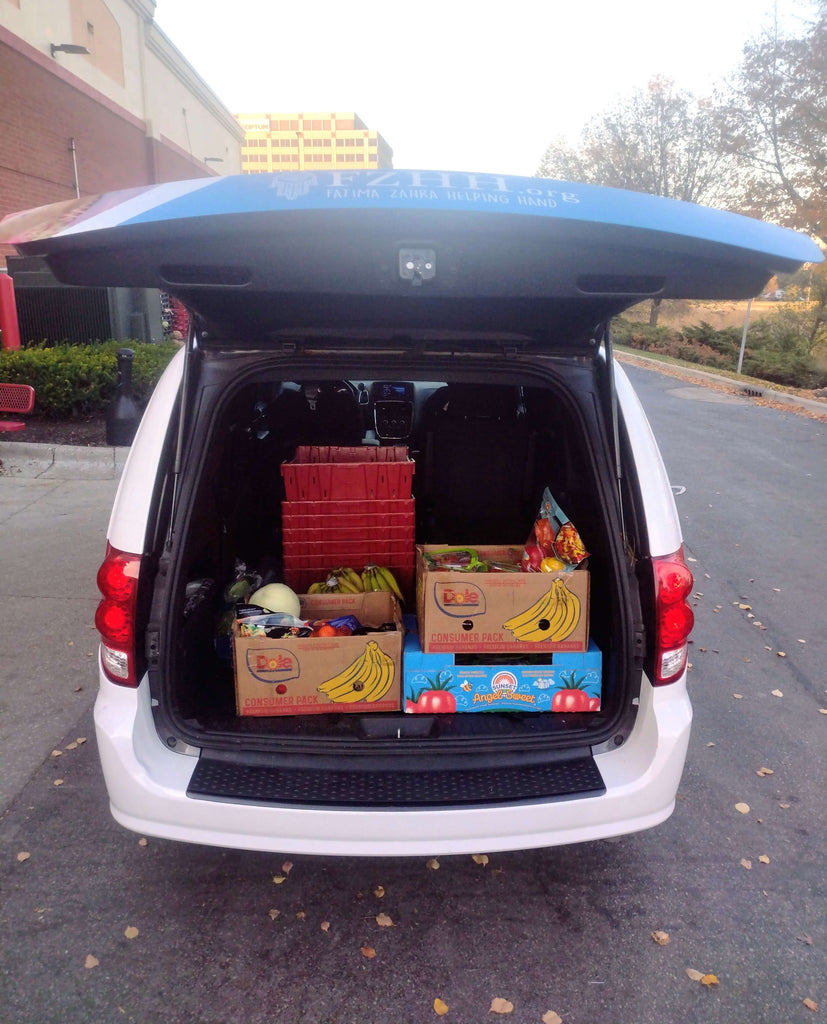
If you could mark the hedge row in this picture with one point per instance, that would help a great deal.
(776, 351)
(78, 380)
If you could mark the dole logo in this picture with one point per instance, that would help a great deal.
(272, 664)
(459, 599)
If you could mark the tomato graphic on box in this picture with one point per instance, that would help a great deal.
(435, 698)
(573, 695)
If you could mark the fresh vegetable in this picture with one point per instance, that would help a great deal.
(277, 597)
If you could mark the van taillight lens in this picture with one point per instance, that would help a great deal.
(115, 615)
(674, 618)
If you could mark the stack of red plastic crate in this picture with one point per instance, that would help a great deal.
(347, 506)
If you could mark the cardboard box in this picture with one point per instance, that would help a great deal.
(461, 611)
(282, 677)
(501, 687)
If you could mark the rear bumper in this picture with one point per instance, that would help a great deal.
(147, 786)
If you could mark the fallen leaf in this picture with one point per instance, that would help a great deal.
(742, 808)
(776, 590)
(764, 858)
(784, 807)
(287, 867)
(822, 711)
(143, 842)
(432, 864)
(325, 926)
(70, 643)
(23, 855)
(662, 938)
(80, 740)
(440, 1008)
(42, 910)
(693, 974)
(480, 858)
(369, 952)
(806, 939)
(777, 693)
(765, 771)
(77, 689)
(58, 782)
(781, 654)
(278, 879)
(710, 744)
(746, 864)
(738, 696)
(384, 921)
(379, 891)
(811, 1004)
(801, 641)
(131, 932)
(501, 1006)
(745, 607)
(71, 746)
(274, 913)
(709, 979)
(551, 1018)
(747, 660)
(91, 961)
(301, 915)
(57, 753)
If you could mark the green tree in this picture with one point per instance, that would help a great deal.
(774, 123)
(660, 140)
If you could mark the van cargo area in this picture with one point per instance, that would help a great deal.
(484, 442)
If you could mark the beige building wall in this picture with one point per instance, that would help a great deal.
(317, 140)
(134, 66)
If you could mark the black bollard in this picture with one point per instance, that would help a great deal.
(123, 414)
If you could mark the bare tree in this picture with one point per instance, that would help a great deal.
(659, 140)
(774, 121)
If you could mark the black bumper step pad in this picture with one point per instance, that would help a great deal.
(217, 779)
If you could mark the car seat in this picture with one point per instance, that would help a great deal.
(337, 419)
(477, 467)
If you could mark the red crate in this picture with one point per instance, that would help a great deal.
(347, 552)
(315, 515)
(352, 474)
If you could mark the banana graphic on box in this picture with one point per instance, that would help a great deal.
(553, 617)
(368, 678)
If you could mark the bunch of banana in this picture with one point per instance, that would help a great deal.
(368, 678)
(343, 580)
(553, 617)
(379, 577)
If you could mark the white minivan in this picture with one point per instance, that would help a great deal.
(465, 318)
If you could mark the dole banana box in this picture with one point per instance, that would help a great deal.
(501, 612)
(324, 675)
(447, 683)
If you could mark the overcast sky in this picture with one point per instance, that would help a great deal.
(461, 86)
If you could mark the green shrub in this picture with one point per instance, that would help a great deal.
(77, 380)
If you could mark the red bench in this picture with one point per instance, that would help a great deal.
(18, 399)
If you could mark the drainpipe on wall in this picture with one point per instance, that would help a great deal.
(73, 151)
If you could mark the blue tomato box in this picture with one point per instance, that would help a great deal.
(447, 683)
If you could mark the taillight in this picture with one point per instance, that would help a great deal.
(115, 616)
(674, 618)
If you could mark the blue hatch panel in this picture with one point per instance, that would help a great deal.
(418, 247)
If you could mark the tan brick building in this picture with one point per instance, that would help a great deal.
(310, 141)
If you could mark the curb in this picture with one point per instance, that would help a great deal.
(60, 462)
(747, 390)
